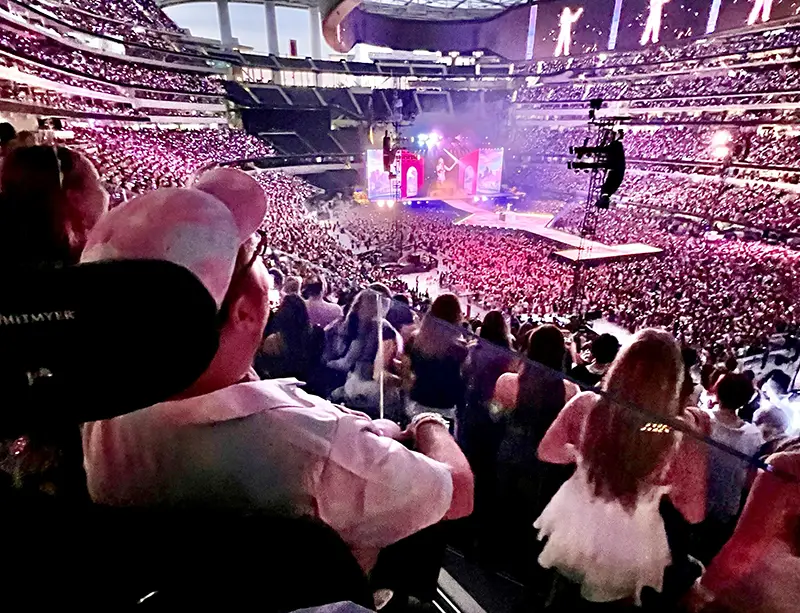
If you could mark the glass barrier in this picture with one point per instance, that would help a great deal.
(608, 467)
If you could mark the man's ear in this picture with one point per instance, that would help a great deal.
(244, 312)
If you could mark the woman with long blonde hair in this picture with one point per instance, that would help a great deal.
(603, 528)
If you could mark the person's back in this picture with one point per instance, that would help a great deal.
(320, 311)
(294, 348)
(400, 314)
(727, 475)
(437, 352)
(51, 198)
(160, 455)
(586, 374)
(603, 529)
(438, 383)
(297, 357)
(485, 363)
(540, 396)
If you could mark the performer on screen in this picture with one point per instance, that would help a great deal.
(440, 171)
(567, 20)
(652, 28)
(762, 8)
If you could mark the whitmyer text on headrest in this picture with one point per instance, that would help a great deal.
(33, 318)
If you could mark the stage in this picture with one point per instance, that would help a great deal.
(536, 223)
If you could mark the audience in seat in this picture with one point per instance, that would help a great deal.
(437, 352)
(479, 431)
(294, 346)
(228, 442)
(400, 315)
(367, 362)
(757, 569)
(320, 311)
(603, 349)
(529, 401)
(727, 474)
(51, 198)
(773, 422)
(603, 528)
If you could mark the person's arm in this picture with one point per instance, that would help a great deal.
(346, 362)
(562, 438)
(434, 441)
(570, 390)
(772, 508)
(374, 491)
(688, 472)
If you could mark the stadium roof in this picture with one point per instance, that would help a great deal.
(439, 9)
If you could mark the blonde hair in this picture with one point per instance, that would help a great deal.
(620, 447)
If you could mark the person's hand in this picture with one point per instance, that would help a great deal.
(388, 428)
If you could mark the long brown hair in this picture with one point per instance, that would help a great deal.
(620, 447)
(439, 330)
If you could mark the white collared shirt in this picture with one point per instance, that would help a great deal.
(269, 445)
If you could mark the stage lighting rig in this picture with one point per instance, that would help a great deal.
(605, 158)
(603, 155)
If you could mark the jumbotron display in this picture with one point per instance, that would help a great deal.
(440, 176)
(561, 28)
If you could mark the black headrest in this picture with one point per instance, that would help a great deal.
(98, 340)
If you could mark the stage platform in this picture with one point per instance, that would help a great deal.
(536, 223)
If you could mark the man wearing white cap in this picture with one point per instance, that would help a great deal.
(264, 444)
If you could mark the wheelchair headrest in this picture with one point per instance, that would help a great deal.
(99, 340)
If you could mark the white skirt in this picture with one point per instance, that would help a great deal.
(611, 552)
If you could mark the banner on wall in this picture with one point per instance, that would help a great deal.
(412, 171)
(468, 173)
(490, 171)
(378, 183)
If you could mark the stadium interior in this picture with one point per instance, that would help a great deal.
(529, 333)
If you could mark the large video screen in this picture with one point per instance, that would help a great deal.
(412, 174)
(378, 183)
(477, 172)
(647, 22)
(572, 27)
(441, 175)
(490, 171)
(740, 13)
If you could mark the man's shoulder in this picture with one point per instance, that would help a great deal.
(324, 305)
(332, 306)
(244, 400)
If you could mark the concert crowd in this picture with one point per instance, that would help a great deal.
(473, 410)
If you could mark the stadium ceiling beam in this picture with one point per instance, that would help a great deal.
(289, 3)
(503, 5)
